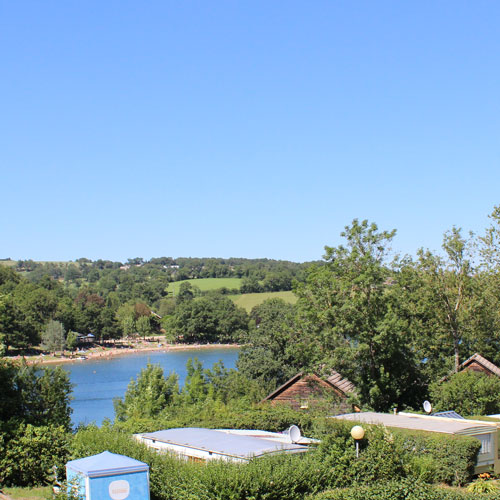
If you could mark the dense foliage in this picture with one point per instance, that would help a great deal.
(467, 392)
(406, 489)
(332, 465)
(34, 423)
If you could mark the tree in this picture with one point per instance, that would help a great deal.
(53, 338)
(274, 352)
(468, 393)
(350, 307)
(12, 333)
(71, 340)
(143, 325)
(149, 395)
(445, 297)
(33, 395)
(186, 291)
(128, 326)
(211, 318)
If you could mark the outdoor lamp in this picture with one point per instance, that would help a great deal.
(357, 433)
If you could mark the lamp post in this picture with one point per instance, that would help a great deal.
(357, 433)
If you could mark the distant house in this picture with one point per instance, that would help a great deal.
(477, 363)
(85, 339)
(305, 390)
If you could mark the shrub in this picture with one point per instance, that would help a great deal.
(468, 393)
(453, 457)
(30, 452)
(405, 489)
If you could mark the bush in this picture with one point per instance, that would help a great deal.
(439, 458)
(405, 489)
(30, 452)
(468, 393)
(280, 478)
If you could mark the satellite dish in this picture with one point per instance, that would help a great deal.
(427, 407)
(294, 433)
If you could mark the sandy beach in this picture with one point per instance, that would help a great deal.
(109, 352)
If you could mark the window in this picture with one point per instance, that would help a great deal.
(485, 443)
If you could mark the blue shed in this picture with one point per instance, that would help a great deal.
(108, 476)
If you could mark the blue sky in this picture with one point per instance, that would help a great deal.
(243, 128)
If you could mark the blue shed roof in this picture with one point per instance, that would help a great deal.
(220, 442)
(106, 464)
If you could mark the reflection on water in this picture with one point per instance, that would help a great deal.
(98, 381)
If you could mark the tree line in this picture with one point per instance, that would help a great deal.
(391, 326)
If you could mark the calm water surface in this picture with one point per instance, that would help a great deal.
(98, 381)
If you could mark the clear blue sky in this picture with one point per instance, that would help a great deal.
(243, 128)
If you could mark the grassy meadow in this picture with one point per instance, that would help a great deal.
(206, 284)
(249, 300)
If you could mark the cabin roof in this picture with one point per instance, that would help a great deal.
(222, 442)
(483, 362)
(419, 422)
(334, 379)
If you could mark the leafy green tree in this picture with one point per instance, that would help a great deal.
(195, 388)
(12, 333)
(71, 340)
(448, 285)
(211, 318)
(149, 395)
(468, 393)
(143, 325)
(53, 338)
(32, 452)
(128, 326)
(275, 349)
(349, 306)
(186, 292)
(34, 395)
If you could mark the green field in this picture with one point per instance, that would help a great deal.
(8, 263)
(206, 284)
(250, 300)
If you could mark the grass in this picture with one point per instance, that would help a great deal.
(8, 263)
(206, 284)
(249, 300)
(39, 493)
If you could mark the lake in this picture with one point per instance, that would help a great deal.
(98, 381)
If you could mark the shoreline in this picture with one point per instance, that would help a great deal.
(112, 352)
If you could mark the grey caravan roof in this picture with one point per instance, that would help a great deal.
(222, 443)
(106, 464)
(418, 422)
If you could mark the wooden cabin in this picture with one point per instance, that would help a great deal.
(477, 363)
(308, 389)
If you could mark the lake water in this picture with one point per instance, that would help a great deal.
(98, 381)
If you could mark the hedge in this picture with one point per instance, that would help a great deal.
(444, 458)
(384, 456)
(28, 453)
(405, 489)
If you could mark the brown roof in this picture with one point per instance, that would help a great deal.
(483, 362)
(344, 385)
(334, 379)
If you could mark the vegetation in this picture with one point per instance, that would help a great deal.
(467, 392)
(250, 300)
(396, 327)
(207, 284)
(34, 423)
